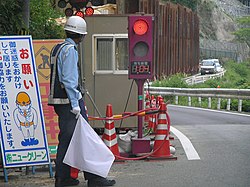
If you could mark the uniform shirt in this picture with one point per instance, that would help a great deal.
(67, 62)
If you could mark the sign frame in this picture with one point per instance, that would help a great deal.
(23, 94)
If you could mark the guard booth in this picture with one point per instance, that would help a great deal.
(104, 69)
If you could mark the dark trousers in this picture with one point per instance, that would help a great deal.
(67, 123)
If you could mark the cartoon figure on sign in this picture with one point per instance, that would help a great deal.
(25, 117)
(45, 59)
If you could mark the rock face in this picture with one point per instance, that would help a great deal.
(218, 18)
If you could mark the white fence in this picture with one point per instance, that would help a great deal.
(195, 79)
(209, 93)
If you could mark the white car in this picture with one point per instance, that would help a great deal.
(218, 67)
(207, 66)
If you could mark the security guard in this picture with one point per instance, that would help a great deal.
(66, 97)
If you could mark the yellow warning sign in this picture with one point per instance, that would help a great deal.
(42, 50)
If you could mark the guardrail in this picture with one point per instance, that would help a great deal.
(209, 93)
(195, 79)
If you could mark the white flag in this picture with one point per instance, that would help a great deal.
(87, 151)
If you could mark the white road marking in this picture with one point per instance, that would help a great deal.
(211, 110)
(188, 147)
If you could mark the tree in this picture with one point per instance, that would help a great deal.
(42, 20)
(42, 23)
(10, 17)
(243, 34)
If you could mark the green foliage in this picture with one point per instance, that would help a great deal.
(237, 76)
(10, 17)
(243, 33)
(42, 20)
(172, 81)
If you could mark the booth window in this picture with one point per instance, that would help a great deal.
(111, 54)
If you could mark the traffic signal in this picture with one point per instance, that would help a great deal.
(140, 35)
(76, 6)
(68, 12)
(89, 11)
(79, 13)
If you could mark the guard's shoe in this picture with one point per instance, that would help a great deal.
(66, 182)
(97, 182)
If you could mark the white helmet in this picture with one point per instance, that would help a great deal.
(76, 24)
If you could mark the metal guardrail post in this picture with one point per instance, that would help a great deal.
(209, 102)
(189, 101)
(239, 105)
(218, 103)
(228, 104)
(176, 100)
(199, 101)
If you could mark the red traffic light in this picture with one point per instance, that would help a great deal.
(79, 13)
(140, 27)
(89, 11)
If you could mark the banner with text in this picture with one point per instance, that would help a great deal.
(22, 126)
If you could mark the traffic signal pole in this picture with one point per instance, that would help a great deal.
(140, 34)
(140, 83)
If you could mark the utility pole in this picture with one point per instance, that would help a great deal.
(26, 14)
(120, 6)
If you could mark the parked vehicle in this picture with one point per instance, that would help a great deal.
(218, 67)
(208, 66)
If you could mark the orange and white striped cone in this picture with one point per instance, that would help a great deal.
(170, 136)
(109, 135)
(159, 100)
(153, 117)
(74, 172)
(161, 145)
(152, 122)
(146, 117)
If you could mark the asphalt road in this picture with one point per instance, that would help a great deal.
(220, 139)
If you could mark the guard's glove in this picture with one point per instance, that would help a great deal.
(76, 111)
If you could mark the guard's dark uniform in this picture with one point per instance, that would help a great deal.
(67, 120)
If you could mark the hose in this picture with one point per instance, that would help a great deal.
(143, 112)
(125, 115)
(152, 152)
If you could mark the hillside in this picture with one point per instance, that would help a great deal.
(218, 18)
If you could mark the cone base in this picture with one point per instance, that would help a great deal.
(115, 150)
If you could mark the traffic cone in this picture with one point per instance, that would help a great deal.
(161, 145)
(74, 172)
(152, 122)
(109, 135)
(159, 100)
(170, 136)
(147, 105)
(153, 117)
